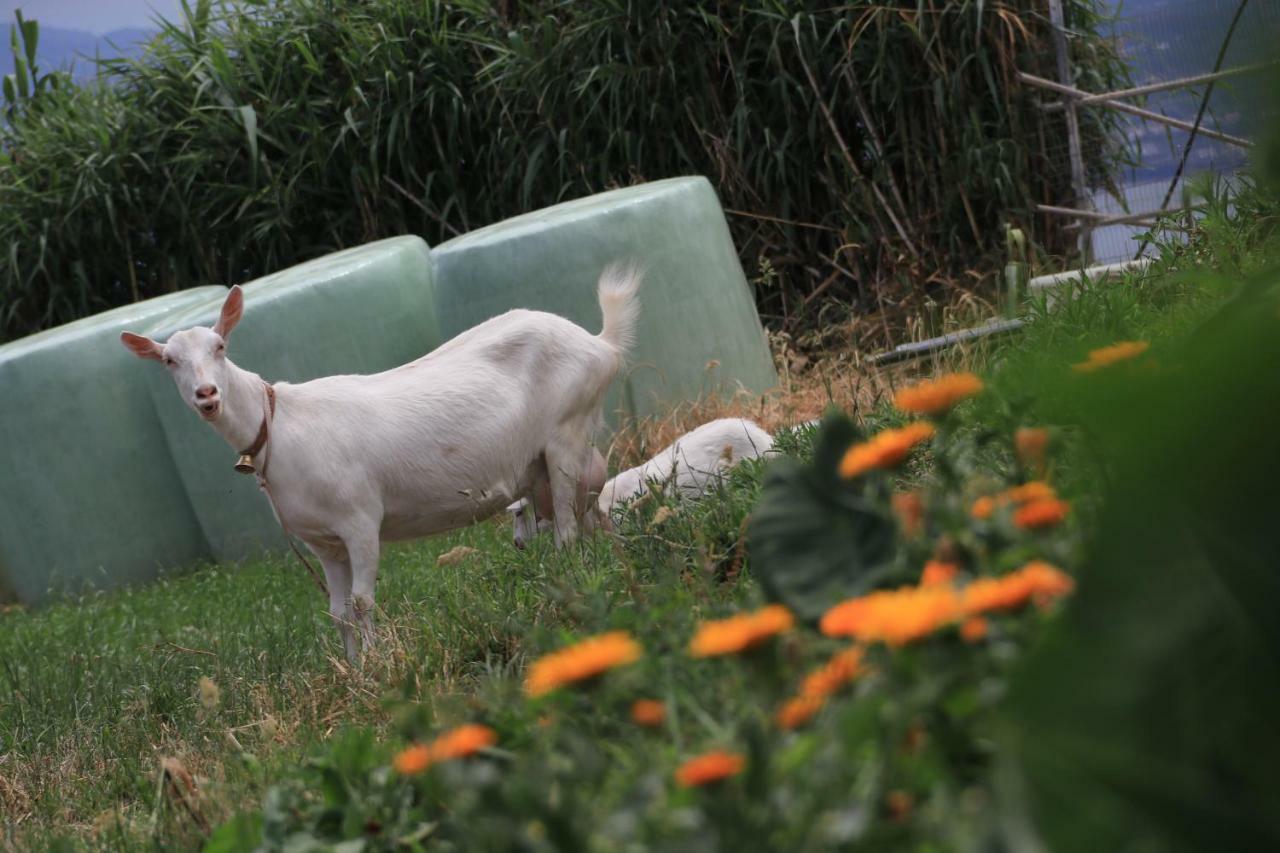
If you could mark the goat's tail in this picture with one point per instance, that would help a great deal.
(619, 304)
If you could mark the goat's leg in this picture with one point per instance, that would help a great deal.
(363, 549)
(566, 460)
(337, 576)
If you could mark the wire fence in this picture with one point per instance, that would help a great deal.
(1219, 48)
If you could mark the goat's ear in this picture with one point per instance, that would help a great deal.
(142, 347)
(232, 308)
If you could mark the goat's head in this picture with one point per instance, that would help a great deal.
(524, 522)
(196, 358)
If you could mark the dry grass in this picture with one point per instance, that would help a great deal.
(808, 385)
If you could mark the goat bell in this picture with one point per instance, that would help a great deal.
(245, 464)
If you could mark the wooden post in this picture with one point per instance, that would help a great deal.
(1073, 124)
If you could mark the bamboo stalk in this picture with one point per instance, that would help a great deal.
(1075, 94)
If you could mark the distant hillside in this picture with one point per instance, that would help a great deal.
(75, 49)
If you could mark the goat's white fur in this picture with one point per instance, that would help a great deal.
(692, 464)
(432, 445)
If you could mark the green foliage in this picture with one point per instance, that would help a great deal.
(1148, 707)
(816, 538)
(24, 87)
(254, 136)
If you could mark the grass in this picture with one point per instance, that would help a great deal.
(83, 726)
(97, 690)
(95, 693)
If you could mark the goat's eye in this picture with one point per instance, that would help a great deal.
(168, 362)
(220, 349)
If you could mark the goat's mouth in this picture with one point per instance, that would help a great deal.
(209, 410)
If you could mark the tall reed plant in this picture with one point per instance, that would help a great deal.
(868, 153)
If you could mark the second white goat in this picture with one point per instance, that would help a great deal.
(692, 464)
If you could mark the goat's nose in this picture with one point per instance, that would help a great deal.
(204, 392)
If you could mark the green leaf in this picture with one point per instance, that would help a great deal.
(1146, 717)
(249, 118)
(816, 539)
(20, 75)
(30, 39)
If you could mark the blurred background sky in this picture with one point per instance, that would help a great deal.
(95, 16)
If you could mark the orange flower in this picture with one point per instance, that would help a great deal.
(648, 713)
(1036, 490)
(462, 741)
(986, 594)
(974, 630)
(797, 711)
(885, 449)
(1036, 581)
(895, 617)
(843, 668)
(1046, 582)
(1100, 358)
(1030, 444)
(909, 507)
(900, 805)
(413, 759)
(1041, 513)
(740, 633)
(455, 743)
(983, 507)
(583, 660)
(1033, 491)
(938, 572)
(934, 396)
(709, 767)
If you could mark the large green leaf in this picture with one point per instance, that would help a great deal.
(1146, 719)
(815, 539)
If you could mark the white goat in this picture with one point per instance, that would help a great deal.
(432, 445)
(532, 515)
(692, 463)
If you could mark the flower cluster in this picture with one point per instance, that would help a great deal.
(885, 449)
(909, 508)
(453, 744)
(1031, 445)
(1036, 581)
(648, 713)
(709, 767)
(1107, 356)
(937, 572)
(904, 615)
(936, 396)
(894, 617)
(844, 667)
(1037, 505)
(584, 660)
(741, 632)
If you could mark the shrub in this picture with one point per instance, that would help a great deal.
(860, 148)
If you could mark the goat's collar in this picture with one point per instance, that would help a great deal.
(245, 463)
